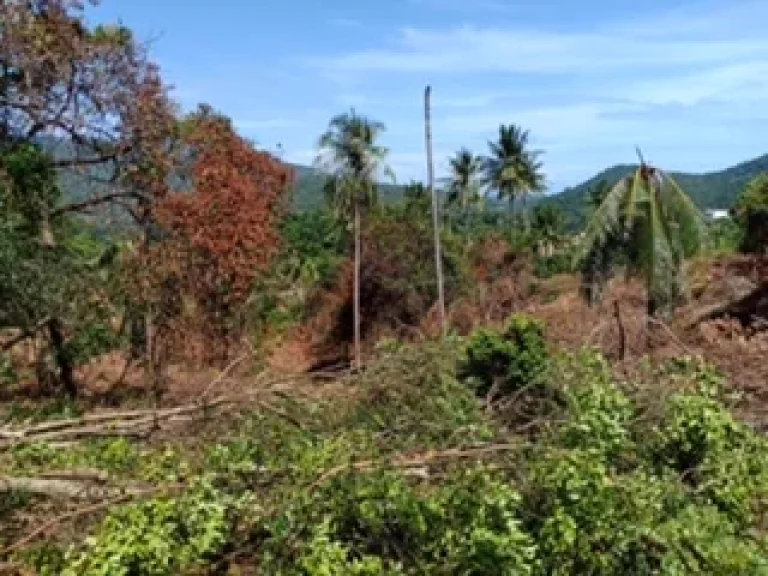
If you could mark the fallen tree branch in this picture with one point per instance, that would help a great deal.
(142, 423)
(417, 461)
(126, 424)
(224, 373)
(671, 334)
(68, 488)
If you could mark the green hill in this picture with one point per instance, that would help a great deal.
(709, 190)
(308, 191)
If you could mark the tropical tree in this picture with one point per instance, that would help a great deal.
(417, 198)
(596, 194)
(463, 184)
(647, 223)
(512, 170)
(751, 214)
(350, 153)
(548, 226)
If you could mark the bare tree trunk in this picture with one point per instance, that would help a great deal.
(356, 287)
(435, 215)
(526, 219)
(63, 361)
(622, 331)
(152, 368)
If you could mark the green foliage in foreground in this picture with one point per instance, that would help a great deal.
(629, 478)
(751, 212)
(508, 361)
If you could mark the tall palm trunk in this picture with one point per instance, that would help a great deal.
(525, 215)
(435, 216)
(356, 287)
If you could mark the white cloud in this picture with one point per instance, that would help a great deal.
(472, 49)
(305, 157)
(707, 34)
(735, 82)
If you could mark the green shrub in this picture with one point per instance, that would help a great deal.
(91, 341)
(600, 412)
(751, 214)
(624, 481)
(383, 525)
(8, 375)
(506, 361)
(158, 537)
(548, 266)
(412, 399)
(724, 461)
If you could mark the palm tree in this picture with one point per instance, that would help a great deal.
(647, 223)
(548, 224)
(596, 194)
(350, 154)
(463, 184)
(512, 170)
(417, 198)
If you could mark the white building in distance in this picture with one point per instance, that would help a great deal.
(716, 213)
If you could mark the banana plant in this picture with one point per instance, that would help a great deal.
(647, 224)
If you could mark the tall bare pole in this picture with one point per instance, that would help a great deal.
(435, 209)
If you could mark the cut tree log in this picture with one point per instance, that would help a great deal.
(69, 489)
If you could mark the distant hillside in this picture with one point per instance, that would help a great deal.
(709, 190)
(308, 191)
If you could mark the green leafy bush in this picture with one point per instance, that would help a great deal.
(751, 214)
(625, 479)
(600, 412)
(413, 399)
(548, 266)
(508, 361)
(383, 525)
(90, 341)
(158, 537)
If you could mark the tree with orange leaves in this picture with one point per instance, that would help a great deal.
(224, 231)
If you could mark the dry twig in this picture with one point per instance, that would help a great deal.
(418, 460)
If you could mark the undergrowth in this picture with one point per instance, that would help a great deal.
(417, 473)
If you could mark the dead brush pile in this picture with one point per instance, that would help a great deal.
(397, 290)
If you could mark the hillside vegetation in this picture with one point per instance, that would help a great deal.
(718, 190)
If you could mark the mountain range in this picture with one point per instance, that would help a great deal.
(717, 189)
(308, 191)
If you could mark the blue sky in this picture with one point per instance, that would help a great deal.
(687, 80)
